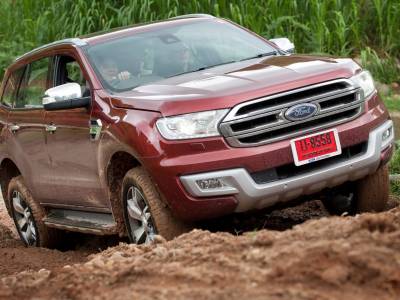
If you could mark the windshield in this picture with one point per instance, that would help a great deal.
(125, 63)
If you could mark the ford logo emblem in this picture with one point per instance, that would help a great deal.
(301, 111)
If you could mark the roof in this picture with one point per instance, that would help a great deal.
(73, 41)
(80, 42)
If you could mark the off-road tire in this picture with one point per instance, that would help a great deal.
(45, 237)
(165, 223)
(372, 192)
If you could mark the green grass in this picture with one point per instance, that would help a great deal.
(394, 168)
(392, 102)
(367, 28)
(386, 68)
(395, 162)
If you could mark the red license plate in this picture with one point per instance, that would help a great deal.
(315, 147)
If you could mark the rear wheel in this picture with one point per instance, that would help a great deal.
(28, 215)
(144, 213)
(372, 192)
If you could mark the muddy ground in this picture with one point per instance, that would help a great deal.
(323, 258)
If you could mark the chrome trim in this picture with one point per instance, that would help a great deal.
(73, 41)
(14, 128)
(232, 114)
(234, 140)
(233, 136)
(192, 16)
(51, 128)
(227, 131)
(284, 44)
(251, 195)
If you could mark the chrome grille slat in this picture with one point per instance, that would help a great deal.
(295, 123)
(226, 127)
(265, 121)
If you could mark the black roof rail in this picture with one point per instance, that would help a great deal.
(74, 41)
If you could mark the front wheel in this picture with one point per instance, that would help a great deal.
(372, 192)
(144, 213)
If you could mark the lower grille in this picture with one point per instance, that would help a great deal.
(263, 121)
(291, 170)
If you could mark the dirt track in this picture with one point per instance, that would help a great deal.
(329, 258)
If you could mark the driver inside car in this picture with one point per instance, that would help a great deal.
(111, 73)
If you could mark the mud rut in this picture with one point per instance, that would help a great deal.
(325, 258)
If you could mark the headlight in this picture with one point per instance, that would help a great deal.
(365, 81)
(189, 126)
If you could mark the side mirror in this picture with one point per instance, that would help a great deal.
(66, 96)
(284, 44)
(62, 92)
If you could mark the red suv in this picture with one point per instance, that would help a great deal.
(146, 129)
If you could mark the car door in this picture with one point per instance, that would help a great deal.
(12, 81)
(26, 137)
(73, 154)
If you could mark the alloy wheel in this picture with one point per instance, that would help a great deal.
(140, 221)
(24, 219)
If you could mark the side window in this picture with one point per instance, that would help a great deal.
(10, 91)
(68, 70)
(74, 73)
(34, 84)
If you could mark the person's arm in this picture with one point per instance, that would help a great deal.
(124, 75)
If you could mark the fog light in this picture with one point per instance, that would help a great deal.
(210, 183)
(386, 134)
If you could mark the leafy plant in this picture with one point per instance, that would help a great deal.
(386, 69)
(335, 27)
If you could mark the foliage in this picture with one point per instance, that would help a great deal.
(339, 27)
(387, 69)
(394, 168)
(392, 102)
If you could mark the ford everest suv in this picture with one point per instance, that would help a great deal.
(144, 130)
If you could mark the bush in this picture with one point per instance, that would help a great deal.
(317, 26)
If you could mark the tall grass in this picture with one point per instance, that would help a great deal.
(338, 27)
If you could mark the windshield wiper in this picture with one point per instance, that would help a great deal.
(212, 66)
(261, 55)
(203, 68)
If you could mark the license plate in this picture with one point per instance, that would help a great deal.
(315, 147)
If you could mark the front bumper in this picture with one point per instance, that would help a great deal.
(251, 195)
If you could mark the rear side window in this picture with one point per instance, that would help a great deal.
(11, 88)
(35, 83)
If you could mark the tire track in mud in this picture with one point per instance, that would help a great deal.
(328, 257)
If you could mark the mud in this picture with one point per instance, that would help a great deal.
(323, 258)
(15, 257)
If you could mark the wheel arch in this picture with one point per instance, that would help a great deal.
(119, 164)
(8, 170)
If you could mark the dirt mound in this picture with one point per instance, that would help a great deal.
(15, 257)
(330, 258)
(5, 234)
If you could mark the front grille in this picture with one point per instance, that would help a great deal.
(291, 170)
(262, 121)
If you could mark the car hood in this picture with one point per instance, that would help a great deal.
(228, 85)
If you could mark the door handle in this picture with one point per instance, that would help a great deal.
(14, 128)
(51, 128)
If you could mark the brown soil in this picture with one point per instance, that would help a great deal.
(326, 258)
(15, 257)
